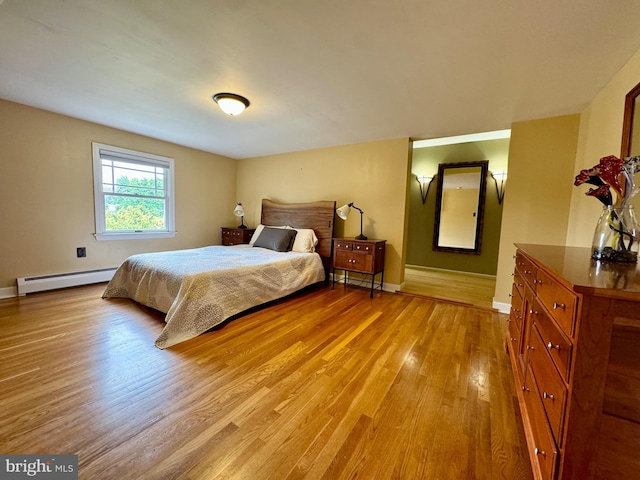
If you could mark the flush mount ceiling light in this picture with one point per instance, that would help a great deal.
(230, 103)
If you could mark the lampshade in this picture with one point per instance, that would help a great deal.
(343, 211)
(239, 211)
(230, 103)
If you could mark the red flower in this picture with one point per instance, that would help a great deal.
(610, 168)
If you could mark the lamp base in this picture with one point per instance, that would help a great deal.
(361, 237)
(242, 226)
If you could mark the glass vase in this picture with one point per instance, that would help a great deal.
(616, 236)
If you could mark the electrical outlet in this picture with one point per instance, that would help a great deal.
(81, 252)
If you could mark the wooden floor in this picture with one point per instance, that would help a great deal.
(460, 287)
(326, 385)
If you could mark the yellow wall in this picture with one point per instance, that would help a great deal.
(372, 175)
(600, 135)
(541, 171)
(46, 194)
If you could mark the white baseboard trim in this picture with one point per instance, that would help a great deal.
(8, 292)
(502, 307)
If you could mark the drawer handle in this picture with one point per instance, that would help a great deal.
(539, 282)
(557, 305)
(537, 451)
(514, 339)
(551, 346)
(525, 388)
(529, 347)
(548, 396)
(528, 272)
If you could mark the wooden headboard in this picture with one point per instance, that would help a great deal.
(316, 215)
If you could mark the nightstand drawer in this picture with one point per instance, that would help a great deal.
(342, 245)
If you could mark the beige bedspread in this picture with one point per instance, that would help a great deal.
(202, 287)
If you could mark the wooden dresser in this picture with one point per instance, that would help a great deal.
(574, 343)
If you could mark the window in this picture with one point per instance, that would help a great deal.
(133, 194)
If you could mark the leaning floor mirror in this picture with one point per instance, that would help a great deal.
(460, 206)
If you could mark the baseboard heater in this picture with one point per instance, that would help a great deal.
(63, 280)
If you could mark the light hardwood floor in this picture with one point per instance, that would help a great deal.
(328, 384)
(460, 287)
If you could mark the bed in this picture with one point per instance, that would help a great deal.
(201, 288)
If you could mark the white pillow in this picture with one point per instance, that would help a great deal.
(305, 241)
(259, 228)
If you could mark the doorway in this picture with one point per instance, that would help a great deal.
(463, 277)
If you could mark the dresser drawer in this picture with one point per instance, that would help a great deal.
(555, 341)
(518, 284)
(560, 302)
(552, 389)
(527, 269)
(516, 314)
(514, 332)
(543, 451)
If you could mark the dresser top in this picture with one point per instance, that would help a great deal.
(582, 274)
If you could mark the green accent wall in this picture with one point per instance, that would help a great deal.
(422, 216)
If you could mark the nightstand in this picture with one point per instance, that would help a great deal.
(236, 236)
(360, 256)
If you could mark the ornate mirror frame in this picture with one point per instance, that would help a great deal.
(443, 168)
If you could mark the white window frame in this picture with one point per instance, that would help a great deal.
(125, 154)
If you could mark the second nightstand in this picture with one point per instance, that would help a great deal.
(236, 236)
(361, 256)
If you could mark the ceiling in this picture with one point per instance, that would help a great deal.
(317, 73)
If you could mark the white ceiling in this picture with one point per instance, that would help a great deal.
(317, 72)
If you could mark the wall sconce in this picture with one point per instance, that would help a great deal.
(500, 178)
(239, 212)
(425, 184)
(343, 213)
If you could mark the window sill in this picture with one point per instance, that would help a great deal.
(133, 235)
